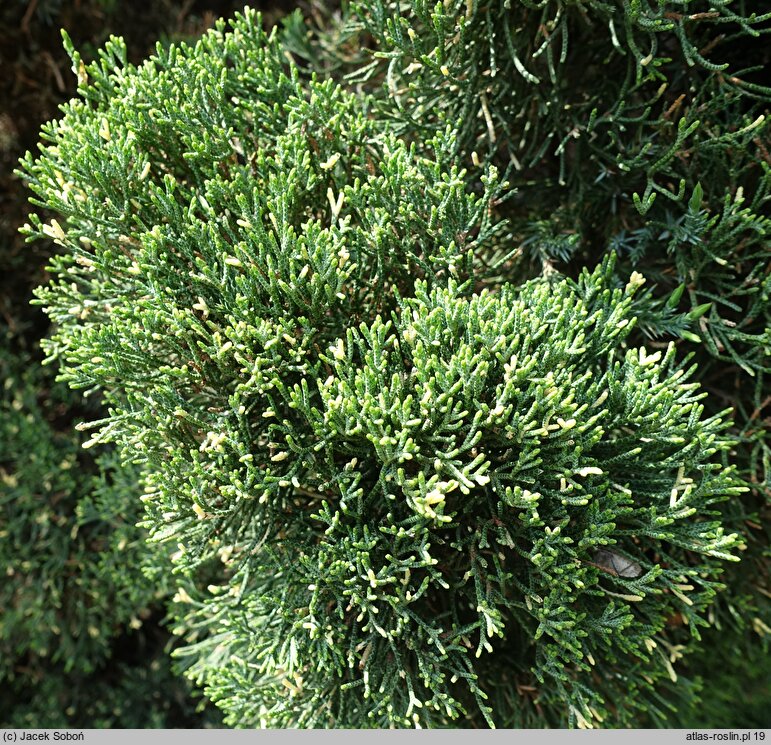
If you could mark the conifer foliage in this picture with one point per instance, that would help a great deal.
(408, 480)
(78, 572)
(494, 500)
(58, 510)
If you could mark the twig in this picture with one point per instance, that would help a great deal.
(28, 16)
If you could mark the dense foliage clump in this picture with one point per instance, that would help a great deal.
(64, 534)
(428, 444)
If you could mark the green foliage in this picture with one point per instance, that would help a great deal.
(72, 561)
(414, 475)
(625, 127)
(475, 457)
(234, 238)
(614, 128)
(77, 572)
(736, 690)
(76, 567)
(128, 694)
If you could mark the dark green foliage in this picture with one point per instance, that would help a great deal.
(615, 129)
(77, 573)
(76, 567)
(136, 694)
(736, 691)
